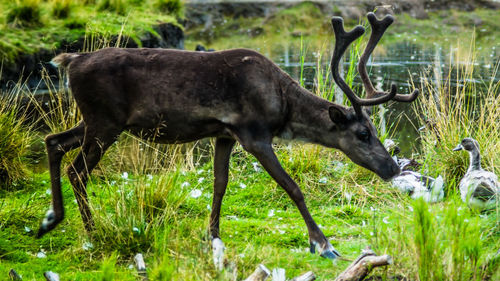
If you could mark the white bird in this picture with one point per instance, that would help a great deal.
(478, 188)
(414, 183)
(420, 186)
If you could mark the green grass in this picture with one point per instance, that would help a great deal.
(16, 138)
(50, 23)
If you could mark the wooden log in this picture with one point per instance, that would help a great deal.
(13, 275)
(278, 274)
(141, 266)
(260, 274)
(363, 265)
(308, 276)
(51, 276)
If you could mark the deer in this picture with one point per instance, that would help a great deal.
(238, 95)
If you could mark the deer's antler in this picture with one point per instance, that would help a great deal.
(342, 40)
(378, 29)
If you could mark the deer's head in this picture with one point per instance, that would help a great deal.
(357, 134)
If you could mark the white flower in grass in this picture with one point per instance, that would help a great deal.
(200, 180)
(243, 186)
(256, 166)
(88, 246)
(386, 220)
(195, 193)
(348, 196)
(281, 231)
(136, 230)
(410, 208)
(150, 177)
(200, 171)
(185, 184)
(41, 254)
(242, 255)
(232, 218)
(27, 229)
(209, 207)
(271, 213)
(125, 175)
(323, 180)
(48, 191)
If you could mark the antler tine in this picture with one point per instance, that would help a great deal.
(342, 40)
(378, 29)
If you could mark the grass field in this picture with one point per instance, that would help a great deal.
(155, 200)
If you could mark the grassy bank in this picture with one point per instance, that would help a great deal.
(27, 26)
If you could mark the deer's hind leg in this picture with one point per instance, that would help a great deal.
(57, 145)
(95, 144)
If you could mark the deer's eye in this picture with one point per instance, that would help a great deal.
(364, 135)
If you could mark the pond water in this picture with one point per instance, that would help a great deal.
(398, 63)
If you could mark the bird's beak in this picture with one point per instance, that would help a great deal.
(458, 147)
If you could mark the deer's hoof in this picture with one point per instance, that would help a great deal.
(330, 254)
(49, 222)
(218, 253)
(326, 251)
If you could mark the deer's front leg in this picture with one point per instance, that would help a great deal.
(223, 149)
(265, 154)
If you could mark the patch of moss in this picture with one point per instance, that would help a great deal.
(104, 19)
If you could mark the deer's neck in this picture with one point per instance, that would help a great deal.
(309, 119)
(475, 160)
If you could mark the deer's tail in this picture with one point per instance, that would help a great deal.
(63, 60)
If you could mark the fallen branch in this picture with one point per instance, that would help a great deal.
(278, 274)
(308, 276)
(363, 265)
(260, 274)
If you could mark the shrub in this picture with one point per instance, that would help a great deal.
(61, 8)
(15, 140)
(117, 6)
(25, 13)
(173, 7)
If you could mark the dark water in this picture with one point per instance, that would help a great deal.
(400, 63)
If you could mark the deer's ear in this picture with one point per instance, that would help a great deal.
(338, 115)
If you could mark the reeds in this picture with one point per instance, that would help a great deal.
(461, 107)
(16, 137)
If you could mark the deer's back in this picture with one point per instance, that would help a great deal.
(186, 92)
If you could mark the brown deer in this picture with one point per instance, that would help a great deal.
(173, 96)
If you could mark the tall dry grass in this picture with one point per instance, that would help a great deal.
(460, 108)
